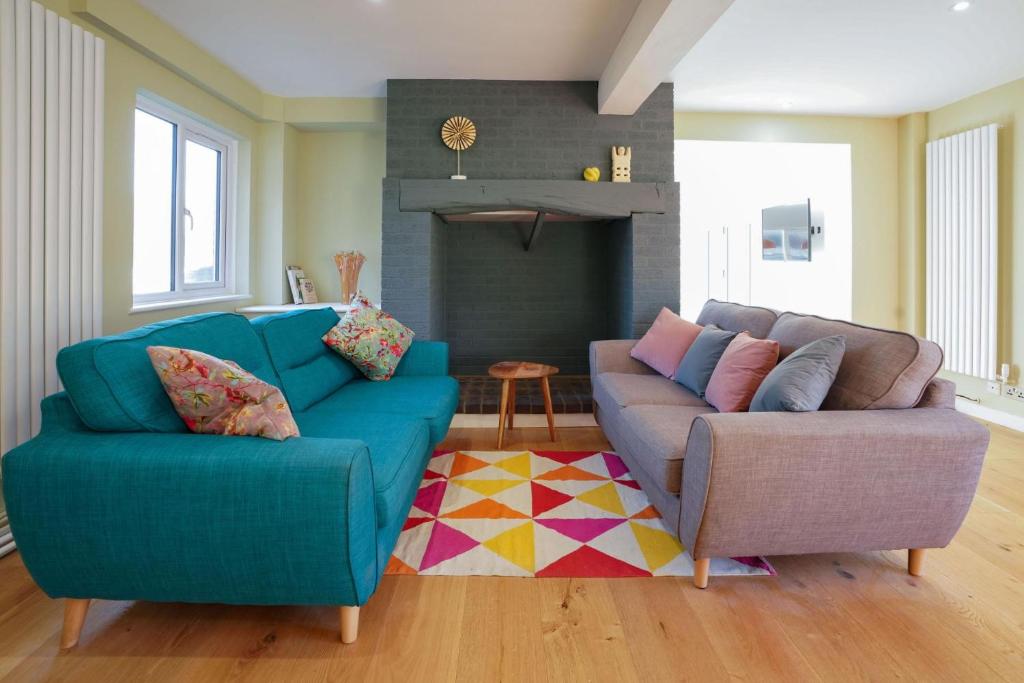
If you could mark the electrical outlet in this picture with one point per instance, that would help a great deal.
(994, 388)
(1015, 393)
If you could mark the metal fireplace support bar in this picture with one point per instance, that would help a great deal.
(538, 222)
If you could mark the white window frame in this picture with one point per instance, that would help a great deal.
(188, 127)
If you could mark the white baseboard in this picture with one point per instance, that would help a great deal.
(464, 421)
(998, 417)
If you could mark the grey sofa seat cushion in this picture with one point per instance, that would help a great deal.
(658, 436)
(802, 380)
(738, 318)
(626, 389)
(881, 369)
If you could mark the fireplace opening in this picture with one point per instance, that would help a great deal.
(545, 304)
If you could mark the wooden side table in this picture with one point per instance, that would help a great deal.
(510, 371)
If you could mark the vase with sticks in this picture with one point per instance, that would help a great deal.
(349, 264)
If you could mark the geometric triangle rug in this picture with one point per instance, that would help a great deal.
(541, 514)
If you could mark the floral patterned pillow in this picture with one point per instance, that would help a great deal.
(215, 396)
(370, 339)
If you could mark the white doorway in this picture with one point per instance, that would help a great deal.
(723, 188)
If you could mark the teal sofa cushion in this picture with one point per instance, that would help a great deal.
(112, 384)
(433, 399)
(308, 369)
(399, 449)
(424, 358)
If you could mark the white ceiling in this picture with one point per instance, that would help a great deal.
(349, 48)
(868, 57)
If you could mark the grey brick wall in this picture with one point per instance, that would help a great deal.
(473, 284)
(412, 261)
(525, 129)
(654, 249)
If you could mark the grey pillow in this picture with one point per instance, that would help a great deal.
(802, 380)
(694, 371)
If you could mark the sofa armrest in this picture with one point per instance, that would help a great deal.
(195, 518)
(831, 481)
(424, 358)
(940, 393)
(613, 356)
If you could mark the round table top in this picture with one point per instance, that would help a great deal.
(512, 369)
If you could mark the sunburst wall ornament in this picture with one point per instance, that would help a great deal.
(458, 133)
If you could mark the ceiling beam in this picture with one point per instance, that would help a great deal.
(657, 38)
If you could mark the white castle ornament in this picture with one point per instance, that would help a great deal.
(621, 157)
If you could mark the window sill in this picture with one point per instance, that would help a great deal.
(184, 303)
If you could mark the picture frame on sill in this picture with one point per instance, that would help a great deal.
(295, 273)
(308, 291)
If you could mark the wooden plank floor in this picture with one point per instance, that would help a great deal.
(831, 617)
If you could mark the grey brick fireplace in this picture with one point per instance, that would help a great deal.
(473, 282)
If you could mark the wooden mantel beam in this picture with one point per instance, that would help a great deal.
(568, 197)
(657, 38)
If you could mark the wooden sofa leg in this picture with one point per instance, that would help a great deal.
(700, 572)
(74, 617)
(349, 624)
(915, 561)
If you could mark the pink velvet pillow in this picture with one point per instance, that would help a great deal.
(666, 343)
(740, 371)
(215, 396)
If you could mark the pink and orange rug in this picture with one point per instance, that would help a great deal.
(542, 514)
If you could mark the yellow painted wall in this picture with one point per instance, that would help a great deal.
(129, 71)
(339, 205)
(912, 131)
(269, 285)
(1003, 105)
(873, 143)
(144, 54)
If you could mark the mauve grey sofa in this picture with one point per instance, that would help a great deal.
(887, 463)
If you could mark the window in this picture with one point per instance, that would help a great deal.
(183, 215)
(724, 185)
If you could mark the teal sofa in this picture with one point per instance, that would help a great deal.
(115, 499)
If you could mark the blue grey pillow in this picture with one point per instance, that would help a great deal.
(694, 371)
(802, 380)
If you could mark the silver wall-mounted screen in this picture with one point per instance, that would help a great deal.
(791, 232)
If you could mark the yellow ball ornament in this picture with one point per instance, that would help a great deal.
(592, 174)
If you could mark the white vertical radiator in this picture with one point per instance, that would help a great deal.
(51, 203)
(962, 249)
